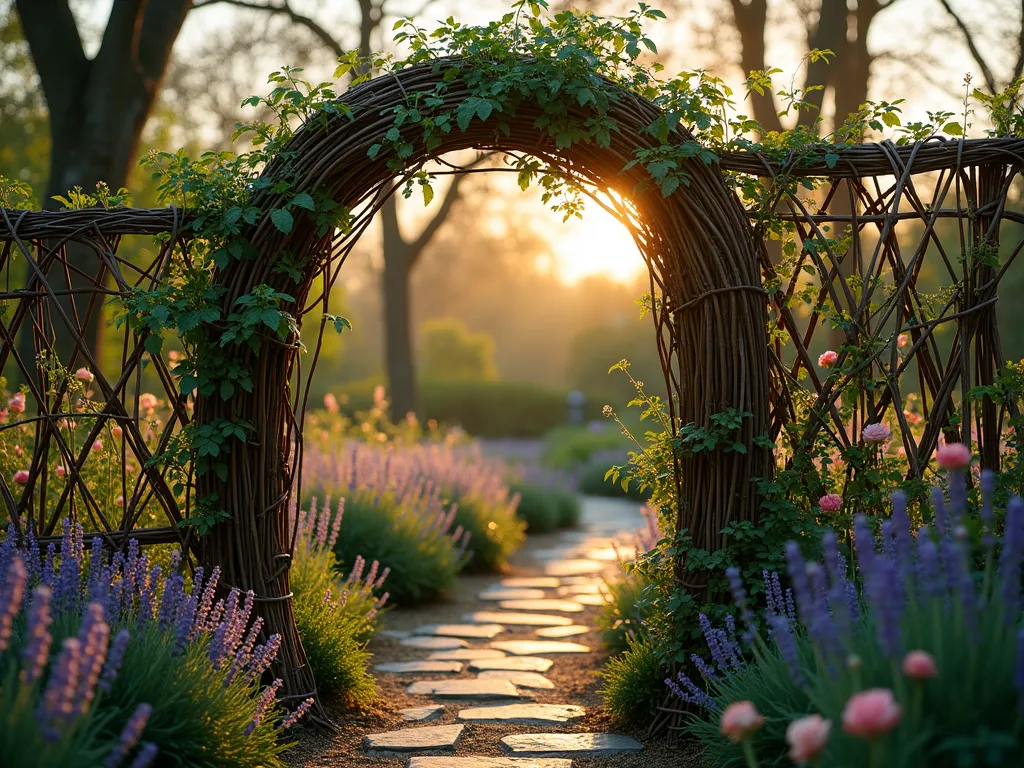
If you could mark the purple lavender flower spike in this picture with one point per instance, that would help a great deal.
(294, 716)
(686, 690)
(988, 537)
(939, 508)
(336, 524)
(130, 735)
(147, 754)
(50, 566)
(957, 498)
(706, 670)
(11, 597)
(1010, 559)
(790, 607)
(264, 703)
(886, 605)
(37, 644)
(739, 596)
(711, 638)
(114, 659)
(797, 570)
(58, 703)
(7, 548)
(206, 600)
(94, 635)
(929, 578)
(782, 634)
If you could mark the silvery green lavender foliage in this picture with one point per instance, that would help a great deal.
(336, 615)
(393, 516)
(828, 636)
(181, 662)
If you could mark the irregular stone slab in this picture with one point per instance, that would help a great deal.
(573, 567)
(552, 633)
(471, 631)
(513, 663)
(563, 552)
(560, 606)
(535, 647)
(596, 587)
(612, 554)
(487, 762)
(530, 582)
(577, 580)
(513, 594)
(569, 744)
(517, 619)
(523, 714)
(422, 714)
(480, 690)
(465, 654)
(414, 739)
(396, 634)
(406, 667)
(596, 600)
(435, 643)
(518, 679)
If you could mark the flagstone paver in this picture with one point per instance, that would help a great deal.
(530, 582)
(470, 631)
(513, 664)
(523, 714)
(518, 679)
(422, 714)
(574, 567)
(428, 643)
(535, 647)
(513, 594)
(559, 606)
(488, 762)
(569, 744)
(406, 667)
(517, 619)
(414, 739)
(595, 600)
(553, 633)
(396, 634)
(480, 690)
(466, 654)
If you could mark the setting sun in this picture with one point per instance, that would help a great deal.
(597, 244)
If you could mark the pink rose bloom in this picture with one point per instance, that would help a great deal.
(920, 665)
(876, 433)
(173, 355)
(331, 403)
(119, 501)
(21, 476)
(912, 418)
(807, 737)
(60, 470)
(954, 457)
(871, 713)
(903, 340)
(828, 359)
(19, 451)
(3, 415)
(148, 401)
(84, 374)
(116, 431)
(740, 720)
(17, 402)
(97, 446)
(830, 502)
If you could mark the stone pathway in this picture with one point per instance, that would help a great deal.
(491, 680)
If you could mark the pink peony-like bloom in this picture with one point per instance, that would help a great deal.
(876, 433)
(21, 476)
(912, 418)
(60, 470)
(119, 501)
(116, 431)
(97, 446)
(740, 720)
(953, 456)
(871, 713)
(173, 355)
(920, 665)
(84, 374)
(807, 737)
(903, 340)
(331, 403)
(830, 502)
(828, 359)
(17, 402)
(148, 401)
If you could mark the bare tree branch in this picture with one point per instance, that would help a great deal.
(284, 8)
(986, 71)
(418, 245)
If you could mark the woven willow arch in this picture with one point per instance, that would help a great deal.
(721, 295)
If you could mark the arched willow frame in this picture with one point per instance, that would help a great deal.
(729, 332)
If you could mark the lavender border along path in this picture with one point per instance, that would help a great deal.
(484, 698)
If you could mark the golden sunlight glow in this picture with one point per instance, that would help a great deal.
(597, 244)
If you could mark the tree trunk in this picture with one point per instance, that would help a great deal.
(401, 368)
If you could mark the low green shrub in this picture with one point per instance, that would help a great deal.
(634, 682)
(621, 616)
(571, 446)
(569, 508)
(538, 508)
(495, 532)
(592, 482)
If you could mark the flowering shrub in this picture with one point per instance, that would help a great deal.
(191, 659)
(917, 661)
(335, 616)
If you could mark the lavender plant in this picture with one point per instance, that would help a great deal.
(192, 659)
(914, 659)
(336, 615)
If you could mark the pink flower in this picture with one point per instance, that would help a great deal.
(902, 340)
(3, 415)
(173, 355)
(17, 402)
(84, 374)
(331, 403)
(119, 501)
(807, 737)
(920, 665)
(954, 457)
(116, 431)
(830, 502)
(876, 433)
(97, 446)
(871, 713)
(60, 470)
(912, 418)
(148, 401)
(828, 359)
(378, 396)
(740, 720)
(21, 476)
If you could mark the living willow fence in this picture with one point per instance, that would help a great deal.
(735, 326)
